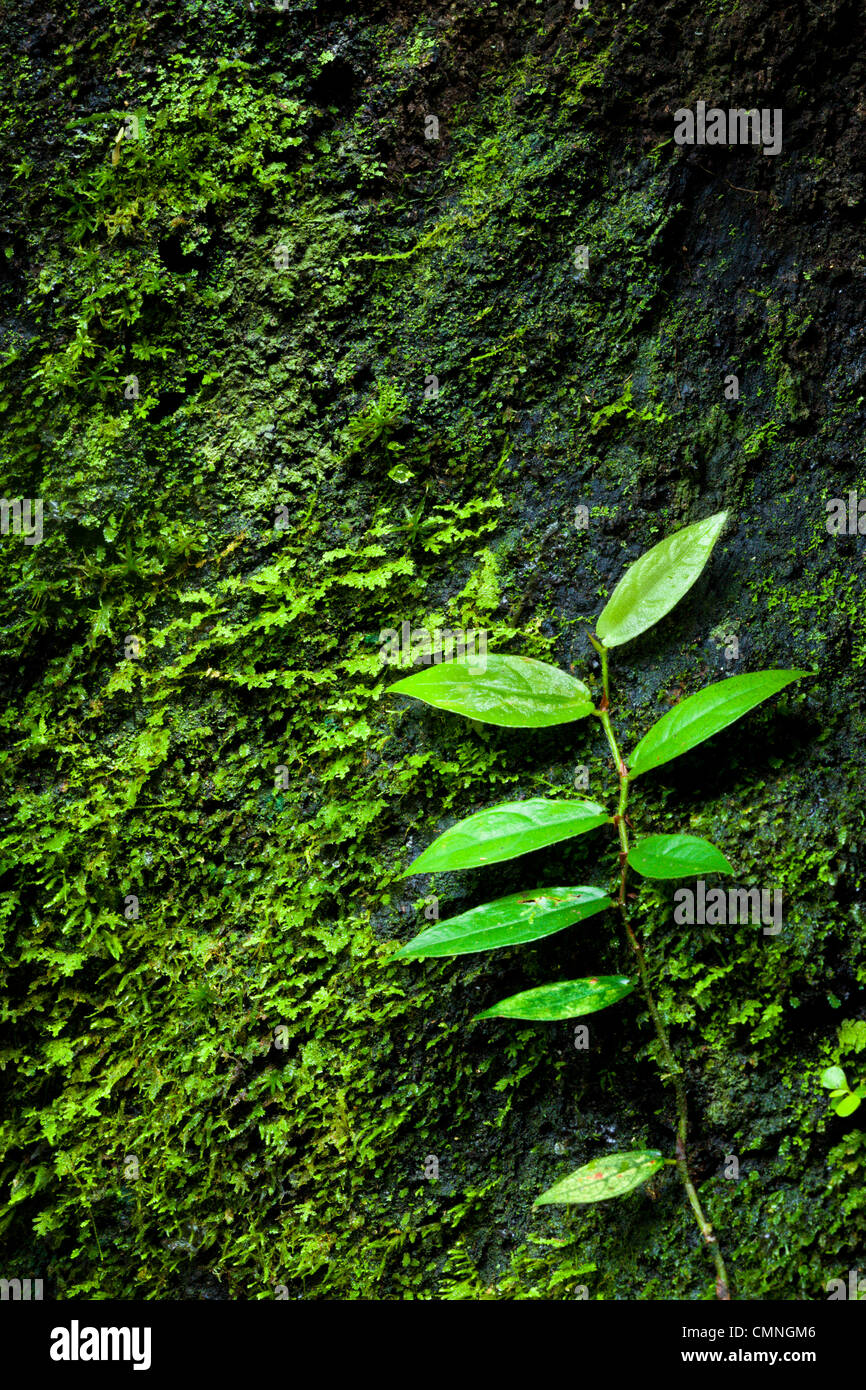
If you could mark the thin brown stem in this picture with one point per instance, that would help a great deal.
(672, 1072)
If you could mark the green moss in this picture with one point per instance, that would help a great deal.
(234, 1089)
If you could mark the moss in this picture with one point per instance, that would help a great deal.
(225, 1086)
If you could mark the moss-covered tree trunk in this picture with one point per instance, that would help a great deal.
(315, 324)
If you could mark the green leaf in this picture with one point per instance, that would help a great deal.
(565, 999)
(515, 692)
(676, 856)
(847, 1105)
(833, 1077)
(700, 716)
(656, 582)
(508, 921)
(506, 831)
(606, 1177)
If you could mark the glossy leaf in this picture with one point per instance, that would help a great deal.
(612, 1176)
(708, 712)
(506, 831)
(833, 1077)
(515, 692)
(565, 999)
(677, 856)
(656, 582)
(847, 1105)
(510, 921)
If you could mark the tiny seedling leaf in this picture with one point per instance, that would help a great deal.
(833, 1077)
(847, 1105)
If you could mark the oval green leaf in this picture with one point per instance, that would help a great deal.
(847, 1105)
(656, 582)
(506, 831)
(508, 921)
(833, 1077)
(514, 692)
(677, 856)
(565, 999)
(700, 716)
(612, 1176)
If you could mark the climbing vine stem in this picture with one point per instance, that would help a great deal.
(670, 1071)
